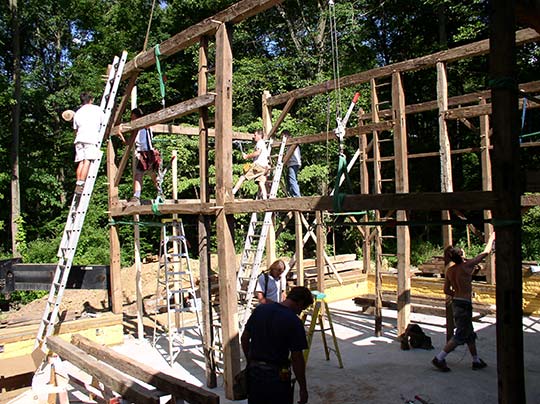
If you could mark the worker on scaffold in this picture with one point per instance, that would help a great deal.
(258, 169)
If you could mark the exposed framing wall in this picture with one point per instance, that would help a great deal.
(225, 206)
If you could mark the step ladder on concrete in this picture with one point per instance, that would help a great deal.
(320, 310)
(254, 246)
(175, 277)
(77, 213)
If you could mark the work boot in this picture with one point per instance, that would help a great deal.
(79, 188)
(134, 201)
(479, 365)
(441, 365)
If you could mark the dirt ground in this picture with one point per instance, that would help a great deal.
(79, 303)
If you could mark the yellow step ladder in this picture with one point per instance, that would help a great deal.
(320, 310)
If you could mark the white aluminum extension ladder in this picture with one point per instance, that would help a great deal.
(77, 213)
(176, 278)
(255, 245)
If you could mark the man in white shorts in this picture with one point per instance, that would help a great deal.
(87, 124)
(257, 170)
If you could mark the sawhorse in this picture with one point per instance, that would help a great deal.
(320, 308)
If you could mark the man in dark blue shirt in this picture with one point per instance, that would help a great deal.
(272, 332)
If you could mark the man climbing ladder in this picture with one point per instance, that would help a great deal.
(77, 213)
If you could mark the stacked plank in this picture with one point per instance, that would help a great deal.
(124, 376)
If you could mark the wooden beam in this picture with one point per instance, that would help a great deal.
(114, 246)
(447, 184)
(533, 86)
(321, 244)
(192, 131)
(506, 214)
(423, 201)
(225, 222)
(183, 207)
(180, 389)
(401, 173)
(109, 376)
(420, 201)
(331, 136)
(450, 55)
(209, 26)
(280, 119)
(163, 115)
(487, 185)
(204, 226)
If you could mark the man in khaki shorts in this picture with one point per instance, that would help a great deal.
(87, 124)
(257, 170)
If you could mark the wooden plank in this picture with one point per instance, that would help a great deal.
(450, 55)
(209, 26)
(506, 214)
(110, 377)
(225, 222)
(140, 371)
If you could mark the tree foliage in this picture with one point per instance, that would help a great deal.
(67, 45)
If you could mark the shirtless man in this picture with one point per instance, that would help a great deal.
(458, 285)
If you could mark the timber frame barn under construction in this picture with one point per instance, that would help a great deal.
(500, 199)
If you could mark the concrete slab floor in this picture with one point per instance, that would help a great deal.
(375, 369)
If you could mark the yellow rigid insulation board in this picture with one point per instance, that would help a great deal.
(106, 329)
(483, 293)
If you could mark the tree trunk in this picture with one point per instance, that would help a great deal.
(16, 113)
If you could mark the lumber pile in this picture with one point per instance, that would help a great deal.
(435, 267)
(104, 375)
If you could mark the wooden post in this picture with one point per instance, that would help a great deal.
(378, 189)
(204, 225)
(138, 277)
(321, 241)
(299, 255)
(114, 247)
(507, 215)
(487, 185)
(402, 186)
(271, 236)
(446, 177)
(224, 223)
(364, 189)
(444, 147)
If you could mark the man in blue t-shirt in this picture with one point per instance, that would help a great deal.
(272, 332)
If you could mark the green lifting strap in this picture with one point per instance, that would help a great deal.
(160, 74)
(342, 170)
(155, 205)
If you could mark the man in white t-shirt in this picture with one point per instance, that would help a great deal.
(270, 285)
(258, 169)
(87, 124)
